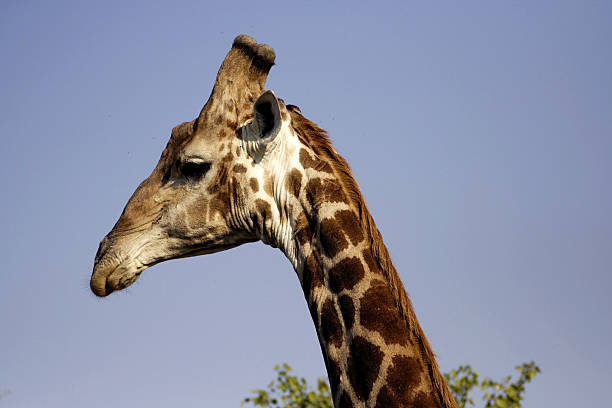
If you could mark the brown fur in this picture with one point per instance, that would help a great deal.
(348, 311)
(309, 163)
(239, 168)
(345, 401)
(316, 138)
(350, 225)
(369, 260)
(312, 277)
(324, 191)
(263, 216)
(404, 370)
(334, 374)
(293, 183)
(331, 329)
(363, 366)
(378, 313)
(345, 274)
(254, 185)
(268, 187)
(331, 237)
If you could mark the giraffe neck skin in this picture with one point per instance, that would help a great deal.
(359, 325)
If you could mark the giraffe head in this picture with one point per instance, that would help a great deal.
(200, 198)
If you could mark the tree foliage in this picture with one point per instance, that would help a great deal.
(289, 391)
(499, 394)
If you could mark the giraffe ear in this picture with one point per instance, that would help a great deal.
(267, 116)
(265, 125)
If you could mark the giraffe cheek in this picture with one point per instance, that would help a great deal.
(219, 206)
(197, 214)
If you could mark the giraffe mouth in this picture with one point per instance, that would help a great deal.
(109, 276)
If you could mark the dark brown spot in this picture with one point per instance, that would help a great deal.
(369, 260)
(347, 308)
(222, 134)
(230, 123)
(218, 120)
(312, 276)
(345, 274)
(222, 176)
(302, 229)
(379, 312)
(320, 191)
(220, 203)
(426, 400)
(345, 401)
(331, 328)
(263, 207)
(331, 237)
(221, 147)
(262, 216)
(403, 378)
(333, 373)
(386, 399)
(238, 151)
(254, 185)
(404, 374)
(228, 157)
(350, 225)
(363, 366)
(219, 179)
(308, 162)
(268, 186)
(305, 159)
(312, 308)
(293, 183)
(239, 168)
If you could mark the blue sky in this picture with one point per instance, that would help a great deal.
(480, 134)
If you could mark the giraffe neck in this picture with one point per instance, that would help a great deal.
(375, 352)
(372, 357)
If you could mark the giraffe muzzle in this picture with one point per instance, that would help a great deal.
(113, 269)
(108, 279)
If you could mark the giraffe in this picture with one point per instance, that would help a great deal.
(251, 168)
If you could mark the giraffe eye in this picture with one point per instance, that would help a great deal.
(193, 171)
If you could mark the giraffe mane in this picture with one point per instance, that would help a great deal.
(319, 142)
